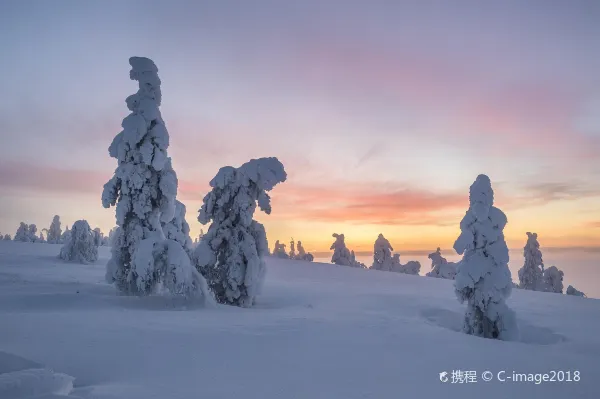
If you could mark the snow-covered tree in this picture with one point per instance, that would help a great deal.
(143, 189)
(530, 275)
(98, 236)
(341, 254)
(302, 254)
(112, 235)
(178, 229)
(41, 238)
(54, 232)
(26, 233)
(483, 279)
(552, 281)
(80, 246)
(7, 237)
(382, 254)
(292, 249)
(199, 238)
(440, 267)
(231, 254)
(66, 234)
(573, 291)
(279, 250)
(411, 267)
(32, 233)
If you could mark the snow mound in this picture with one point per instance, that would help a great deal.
(34, 383)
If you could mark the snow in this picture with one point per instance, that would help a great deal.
(316, 331)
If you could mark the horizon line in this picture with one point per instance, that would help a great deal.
(321, 254)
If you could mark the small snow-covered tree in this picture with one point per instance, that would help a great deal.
(483, 278)
(552, 280)
(530, 275)
(279, 250)
(302, 254)
(112, 235)
(292, 249)
(23, 234)
(98, 236)
(231, 254)
(341, 254)
(143, 189)
(66, 234)
(32, 233)
(440, 267)
(178, 229)
(7, 237)
(411, 267)
(41, 238)
(54, 232)
(382, 254)
(573, 291)
(80, 246)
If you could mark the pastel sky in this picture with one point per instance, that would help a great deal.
(383, 112)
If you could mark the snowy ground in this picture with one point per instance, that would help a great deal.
(319, 331)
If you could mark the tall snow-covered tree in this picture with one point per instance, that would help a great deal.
(483, 279)
(54, 232)
(143, 189)
(178, 229)
(530, 275)
(573, 291)
(382, 254)
(552, 281)
(279, 250)
(80, 246)
(231, 254)
(341, 254)
(98, 236)
(440, 267)
(302, 254)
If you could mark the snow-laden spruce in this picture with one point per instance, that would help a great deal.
(54, 233)
(178, 229)
(279, 250)
(530, 275)
(341, 254)
(26, 233)
(143, 189)
(303, 255)
(7, 237)
(440, 267)
(573, 291)
(552, 280)
(382, 254)
(231, 253)
(483, 279)
(65, 235)
(80, 245)
(292, 249)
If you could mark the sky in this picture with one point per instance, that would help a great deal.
(383, 112)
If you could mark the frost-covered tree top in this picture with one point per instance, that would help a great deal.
(302, 254)
(80, 246)
(530, 275)
(483, 278)
(230, 255)
(382, 254)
